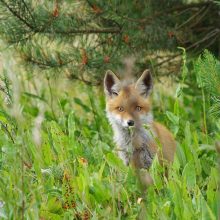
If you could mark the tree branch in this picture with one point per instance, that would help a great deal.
(74, 31)
(207, 37)
(192, 17)
(168, 11)
(17, 15)
(25, 5)
(88, 31)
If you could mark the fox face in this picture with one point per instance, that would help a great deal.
(128, 104)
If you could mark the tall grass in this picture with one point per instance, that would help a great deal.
(57, 158)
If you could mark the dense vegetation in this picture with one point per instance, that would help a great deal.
(57, 158)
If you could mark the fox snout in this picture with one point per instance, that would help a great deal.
(120, 120)
(127, 122)
(130, 123)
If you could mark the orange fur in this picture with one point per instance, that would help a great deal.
(129, 98)
(167, 141)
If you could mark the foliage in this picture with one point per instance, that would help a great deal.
(208, 70)
(57, 158)
(84, 38)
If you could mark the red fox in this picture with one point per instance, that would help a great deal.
(128, 106)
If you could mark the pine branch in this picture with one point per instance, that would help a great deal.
(48, 64)
(17, 15)
(87, 31)
(208, 36)
(90, 83)
(107, 32)
(45, 29)
(27, 8)
(203, 10)
(169, 11)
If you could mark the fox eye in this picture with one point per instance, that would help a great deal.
(120, 109)
(138, 108)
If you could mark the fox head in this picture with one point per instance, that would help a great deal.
(128, 104)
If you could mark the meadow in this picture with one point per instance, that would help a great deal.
(57, 157)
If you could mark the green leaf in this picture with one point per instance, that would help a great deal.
(34, 96)
(180, 155)
(80, 103)
(172, 117)
(54, 205)
(115, 162)
(189, 174)
(72, 126)
(206, 211)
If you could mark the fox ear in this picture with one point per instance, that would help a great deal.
(145, 83)
(111, 84)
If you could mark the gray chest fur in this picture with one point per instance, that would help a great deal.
(133, 145)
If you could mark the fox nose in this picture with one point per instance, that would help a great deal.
(130, 122)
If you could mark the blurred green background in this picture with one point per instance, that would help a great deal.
(57, 157)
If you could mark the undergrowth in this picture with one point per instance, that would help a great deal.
(57, 158)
